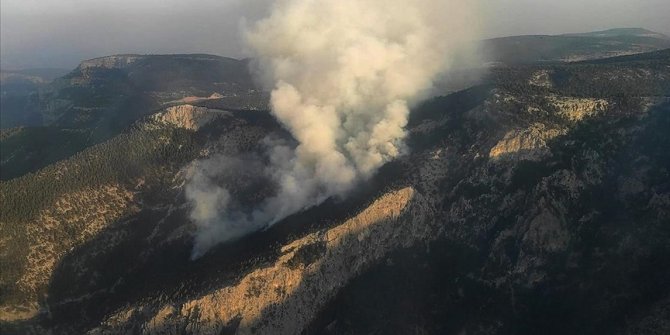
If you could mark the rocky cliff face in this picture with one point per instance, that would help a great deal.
(188, 116)
(283, 297)
(539, 224)
(527, 144)
(110, 62)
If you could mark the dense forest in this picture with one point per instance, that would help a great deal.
(147, 153)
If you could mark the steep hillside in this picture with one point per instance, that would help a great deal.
(535, 203)
(28, 149)
(48, 213)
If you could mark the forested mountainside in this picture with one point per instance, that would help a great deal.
(535, 202)
(102, 97)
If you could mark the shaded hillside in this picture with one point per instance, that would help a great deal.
(535, 203)
(19, 101)
(19, 95)
(28, 149)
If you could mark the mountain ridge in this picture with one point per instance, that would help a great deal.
(518, 182)
(573, 47)
(622, 32)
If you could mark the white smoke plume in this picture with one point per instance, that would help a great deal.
(343, 75)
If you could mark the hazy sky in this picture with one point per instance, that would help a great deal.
(60, 33)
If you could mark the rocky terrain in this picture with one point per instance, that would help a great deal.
(537, 201)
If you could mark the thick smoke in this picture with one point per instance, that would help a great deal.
(343, 75)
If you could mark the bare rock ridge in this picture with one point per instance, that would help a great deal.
(530, 144)
(110, 62)
(124, 61)
(188, 116)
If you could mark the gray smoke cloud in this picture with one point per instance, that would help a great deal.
(344, 75)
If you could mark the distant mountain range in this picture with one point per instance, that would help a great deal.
(619, 32)
(573, 47)
(37, 75)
